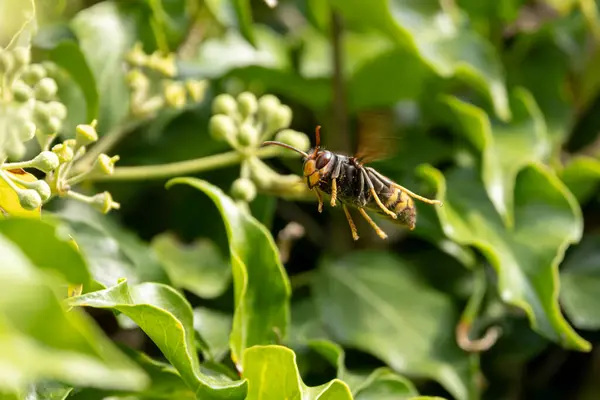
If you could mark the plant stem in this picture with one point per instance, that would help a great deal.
(162, 171)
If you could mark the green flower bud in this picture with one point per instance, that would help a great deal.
(137, 79)
(51, 68)
(64, 152)
(41, 112)
(29, 199)
(45, 89)
(70, 142)
(27, 131)
(7, 62)
(22, 56)
(222, 127)
(196, 89)
(247, 103)
(46, 161)
(105, 165)
(248, 135)
(224, 104)
(136, 55)
(294, 138)
(21, 91)
(33, 73)
(104, 202)
(53, 126)
(57, 109)
(243, 189)
(280, 119)
(267, 105)
(174, 93)
(85, 134)
(42, 188)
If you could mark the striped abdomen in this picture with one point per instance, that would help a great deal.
(354, 189)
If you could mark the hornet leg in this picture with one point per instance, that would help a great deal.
(378, 230)
(350, 222)
(320, 200)
(374, 194)
(333, 192)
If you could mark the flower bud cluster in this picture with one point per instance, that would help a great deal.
(151, 80)
(28, 101)
(245, 122)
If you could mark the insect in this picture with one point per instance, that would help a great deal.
(347, 180)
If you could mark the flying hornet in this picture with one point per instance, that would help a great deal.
(347, 180)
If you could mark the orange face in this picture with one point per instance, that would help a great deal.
(316, 167)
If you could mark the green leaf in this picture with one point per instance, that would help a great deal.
(40, 341)
(272, 373)
(112, 251)
(582, 176)
(166, 317)
(505, 147)
(220, 55)
(261, 285)
(213, 327)
(49, 391)
(370, 301)
(199, 267)
(444, 43)
(580, 283)
(104, 35)
(48, 249)
(526, 257)
(243, 11)
(69, 56)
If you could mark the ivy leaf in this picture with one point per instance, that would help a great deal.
(213, 327)
(272, 372)
(582, 176)
(261, 285)
(104, 35)
(48, 391)
(40, 341)
(370, 301)
(48, 249)
(448, 47)
(580, 283)
(526, 257)
(505, 147)
(68, 55)
(199, 267)
(167, 318)
(243, 11)
(9, 200)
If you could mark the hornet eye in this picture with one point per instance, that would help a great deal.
(323, 159)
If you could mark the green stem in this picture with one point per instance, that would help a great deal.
(16, 165)
(162, 171)
(9, 181)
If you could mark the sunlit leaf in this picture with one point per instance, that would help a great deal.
(243, 11)
(49, 249)
(199, 267)
(272, 372)
(166, 317)
(261, 285)
(104, 35)
(370, 301)
(526, 257)
(40, 341)
(9, 201)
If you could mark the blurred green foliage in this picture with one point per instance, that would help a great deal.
(217, 278)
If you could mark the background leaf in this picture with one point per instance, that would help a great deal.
(370, 301)
(526, 258)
